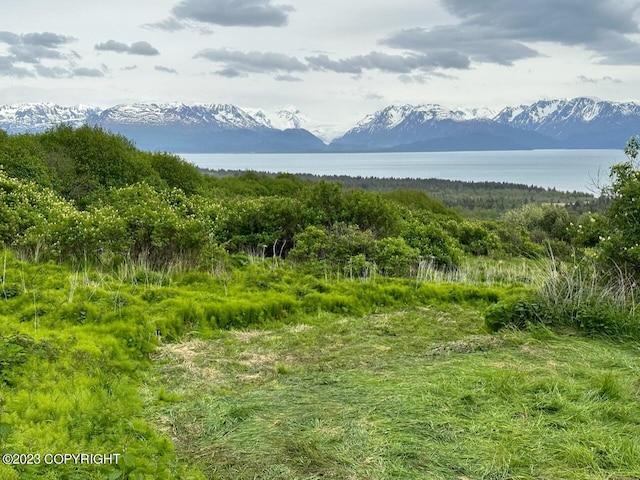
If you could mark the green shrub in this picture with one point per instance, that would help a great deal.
(543, 222)
(590, 229)
(176, 172)
(474, 237)
(88, 161)
(433, 243)
(518, 312)
(394, 257)
(370, 212)
(574, 296)
(22, 157)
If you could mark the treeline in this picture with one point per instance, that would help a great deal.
(84, 193)
(476, 199)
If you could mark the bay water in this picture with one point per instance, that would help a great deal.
(565, 170)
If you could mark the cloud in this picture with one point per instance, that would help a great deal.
(287, 78)
(568, 22)
(373, 96)
(413, 78)
(35, 53)
(87, 72)
(62, 72)
(197, 15)
(46, 39)
(583, 79)
(8, 69)
(501, 31)
(136, 48)
(160, 68)
(475, 43)
(112, 46)
(235, 63)
(230, 73)
(10, 38)
(246, 13)
(252, 62)
(33, 48)
(129, 67)
(172, 24)
(52, 72)
(402, 64)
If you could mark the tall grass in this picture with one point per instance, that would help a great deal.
(578, 295)
(481, 271)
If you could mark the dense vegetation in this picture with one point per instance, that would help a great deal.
(472, 199)
(86, 194)
(125, 273)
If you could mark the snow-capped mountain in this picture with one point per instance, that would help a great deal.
(479, 113)
(426, 127)
(576, 123)
(394, 116)
(178, 127)
(401, 124)
(203, 128)
(219, 115)
(291, 117)
(37, 117)
(173, 127)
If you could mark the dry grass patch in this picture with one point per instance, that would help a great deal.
(246, 336)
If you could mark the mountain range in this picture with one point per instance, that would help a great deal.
(211, 128)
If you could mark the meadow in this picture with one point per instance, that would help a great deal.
(280, 328)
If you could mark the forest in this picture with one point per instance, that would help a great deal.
(242, 325)
(488, 200)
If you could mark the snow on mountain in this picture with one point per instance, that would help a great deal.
(259, 116)
(37, 117)
(575, 123)
(394, 116)
(227, 116)
(403, 124)
(290, 117)
(479, 113)
(555, 117)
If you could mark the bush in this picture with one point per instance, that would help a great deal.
(22, 157)
(619, 248)
(475, 238)
(432, 242)
(543, 222)
(518, 312)
(267, 224)
(574, 296)
(590, 229)
(176, 172)
(87, 161)
(394, 257)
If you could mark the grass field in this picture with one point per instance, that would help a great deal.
(262, 372)
(418, 393)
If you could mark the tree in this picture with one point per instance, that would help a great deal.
(620, 249)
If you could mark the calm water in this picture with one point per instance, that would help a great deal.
(572, 170)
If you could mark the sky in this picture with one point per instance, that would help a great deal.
(335, 60)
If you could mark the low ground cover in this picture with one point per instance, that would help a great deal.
(416, 393)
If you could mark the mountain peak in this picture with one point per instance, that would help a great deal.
(552, 116)
(577, 123)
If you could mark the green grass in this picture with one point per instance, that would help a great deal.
(307, 378)
(421, 393)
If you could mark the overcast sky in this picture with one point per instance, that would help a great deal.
(336, 60)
